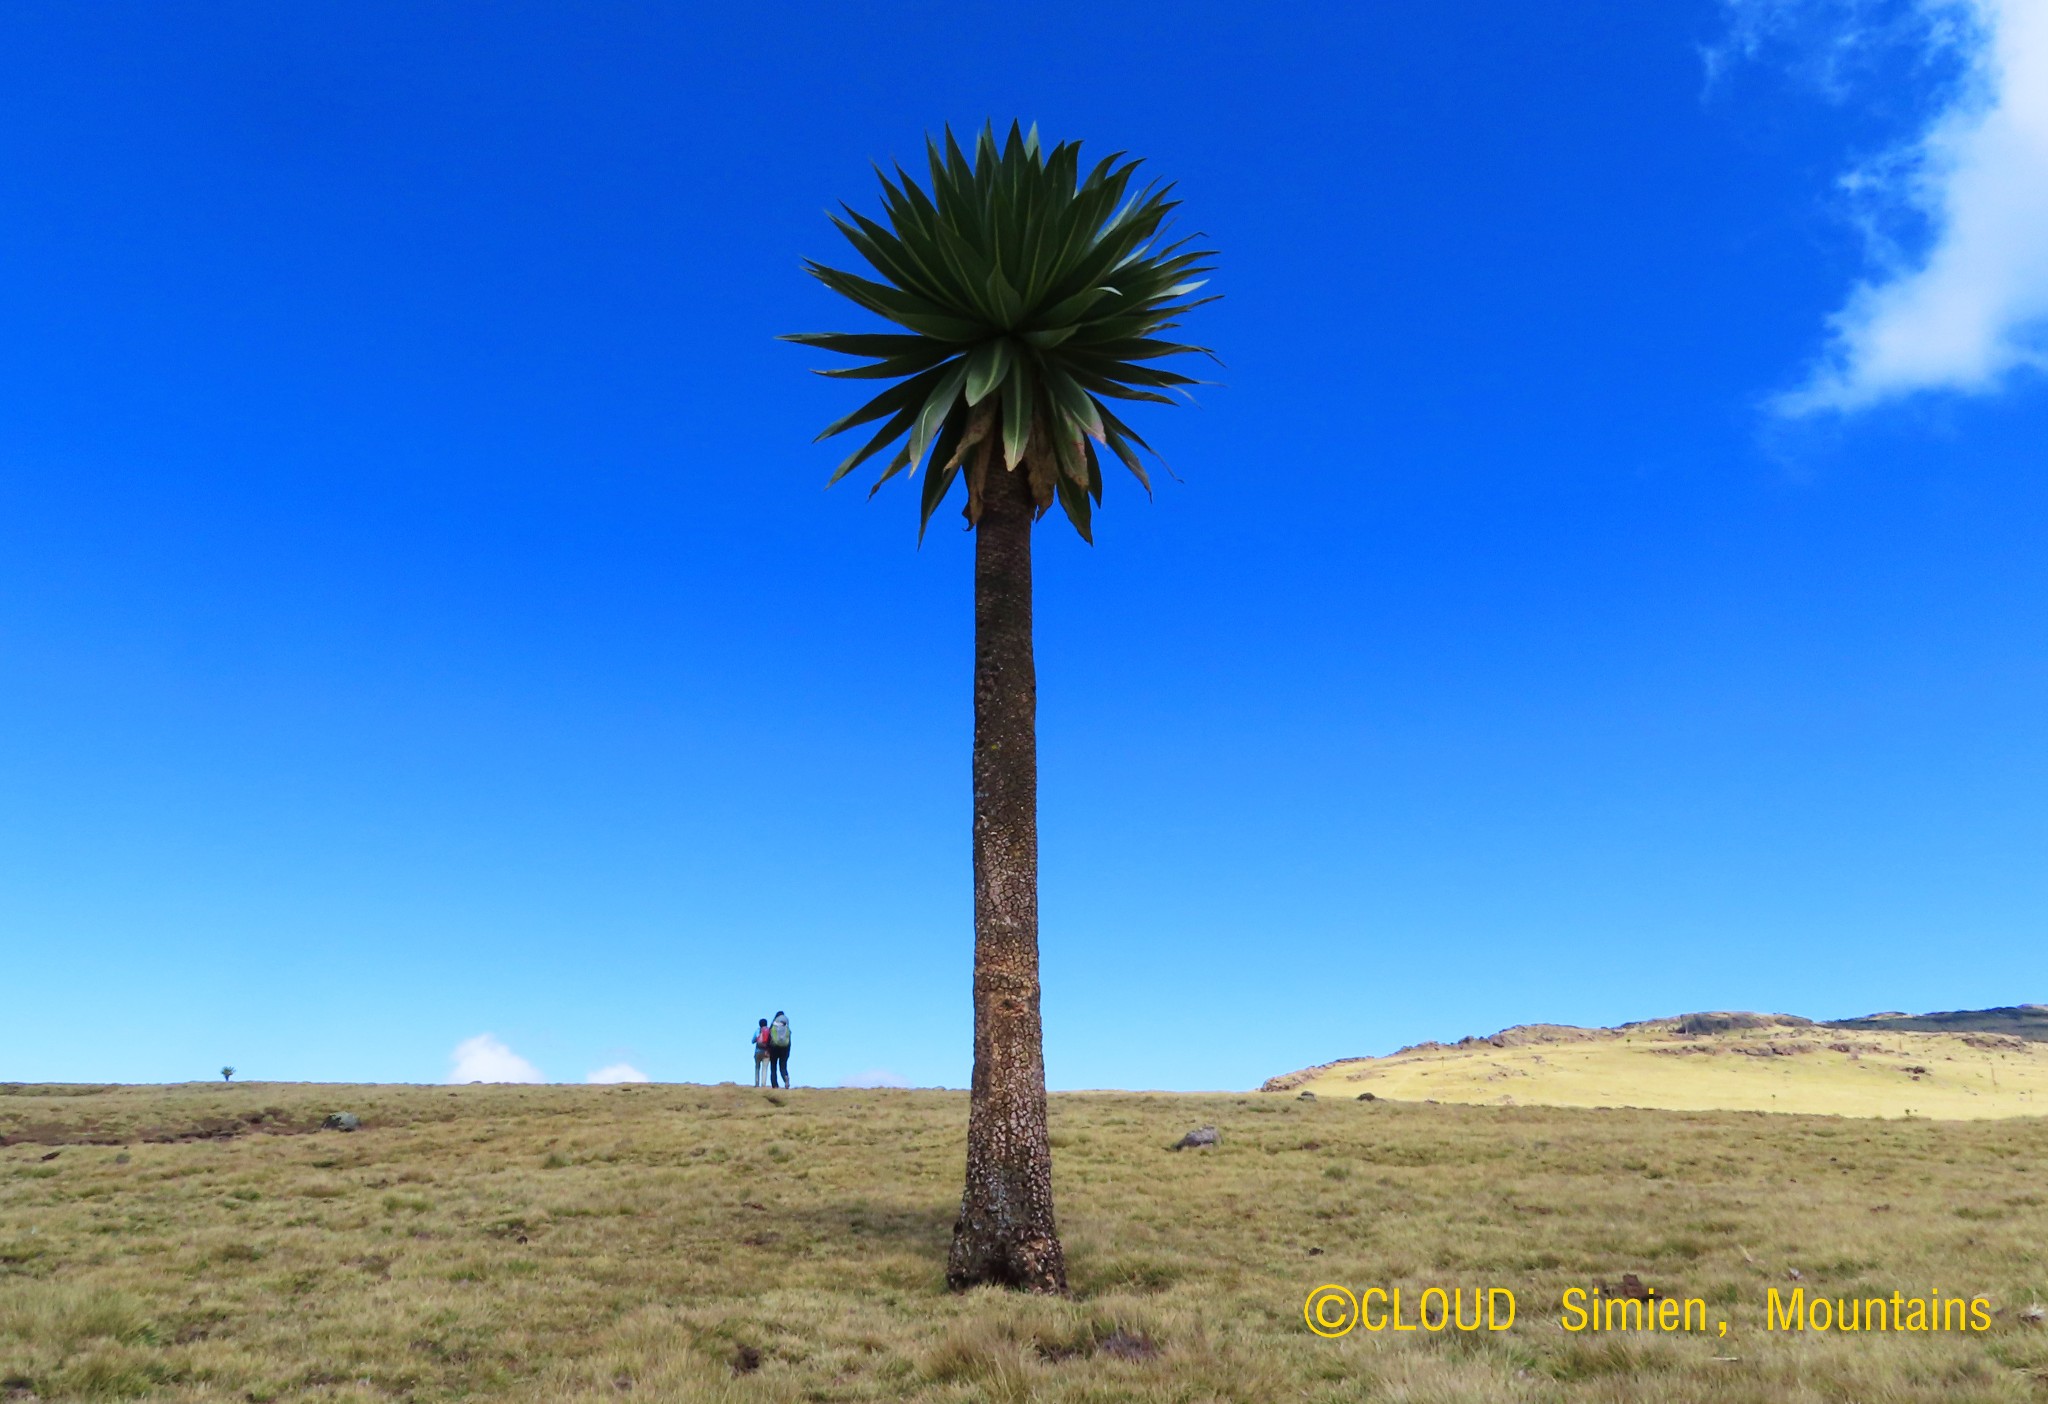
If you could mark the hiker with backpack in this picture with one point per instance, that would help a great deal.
(778, 1049)
(760, 1042)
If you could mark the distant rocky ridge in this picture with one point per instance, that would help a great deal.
(2027, 1021)
(2014, 1023)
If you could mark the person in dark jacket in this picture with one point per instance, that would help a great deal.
(778, 1049)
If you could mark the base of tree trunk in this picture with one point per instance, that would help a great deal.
(989, 1255)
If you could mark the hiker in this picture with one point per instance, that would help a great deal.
(761, 1052)
(778, 1049)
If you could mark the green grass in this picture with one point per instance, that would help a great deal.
(639, 1243)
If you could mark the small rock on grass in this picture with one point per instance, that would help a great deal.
(342, 1121)
(1199, 1138)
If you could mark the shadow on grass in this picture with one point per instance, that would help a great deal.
(924, 1228)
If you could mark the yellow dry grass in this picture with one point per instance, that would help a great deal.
(1816, 1070)
(645, 1243)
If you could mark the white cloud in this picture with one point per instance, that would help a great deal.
(875, 1077)
(485, 1059)
(1972, 308)
(618, 1072)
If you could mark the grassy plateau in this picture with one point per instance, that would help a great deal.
(1876, 1069)
(683, 1243)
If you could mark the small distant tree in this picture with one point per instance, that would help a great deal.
(226, 1074)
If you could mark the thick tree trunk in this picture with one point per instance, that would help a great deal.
(1005, 1234)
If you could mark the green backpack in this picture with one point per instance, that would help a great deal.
(778, 1034)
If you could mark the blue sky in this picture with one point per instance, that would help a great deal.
(1609, 583)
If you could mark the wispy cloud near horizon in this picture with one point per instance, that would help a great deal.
(486, 1059)
(1967, 306)
(618, 1072)
(875, 1077)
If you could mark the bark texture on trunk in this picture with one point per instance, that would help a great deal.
(1005, 1235)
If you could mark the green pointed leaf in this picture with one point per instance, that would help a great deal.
(959, 171)
(908, 395)
(1133, 348)
(937, 406)
(885, 256)
(897, 464)
(1104, 386)
(1017, 411)
(876, 297)
(1046, 340)
(1069, 309)
(1074, 404)
(1130, 374)
(1074, 502)
(936, 482)
(859, 343)
(886, 435)
(1008, 307)
(927, 356)
(1114, 425)
(986, 368)
(958, 330)
(895, 257)
(1124, 451)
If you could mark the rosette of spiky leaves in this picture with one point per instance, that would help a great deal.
(1029, 296)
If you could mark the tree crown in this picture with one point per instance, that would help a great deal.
(1029, 295)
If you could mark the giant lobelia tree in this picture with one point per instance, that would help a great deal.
(1028, 295)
